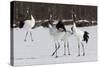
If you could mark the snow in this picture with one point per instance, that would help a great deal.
(79, 21)
(93, 21)
(68, 20)
(40, 50)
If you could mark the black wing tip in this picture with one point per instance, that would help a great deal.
(86, 36)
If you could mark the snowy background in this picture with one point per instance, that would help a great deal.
(39, 51)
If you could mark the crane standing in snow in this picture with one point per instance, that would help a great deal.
(27, 25)
(59, 33)
(80, 35)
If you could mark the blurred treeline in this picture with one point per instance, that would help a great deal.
(41, 11)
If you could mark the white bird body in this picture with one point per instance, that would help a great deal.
(29, 24)
(57, 35)
(78, 33)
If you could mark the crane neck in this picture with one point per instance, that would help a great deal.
(74, 27)
(32, 18)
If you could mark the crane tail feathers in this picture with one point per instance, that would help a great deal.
(86, 36)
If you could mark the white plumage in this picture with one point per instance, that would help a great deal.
(59, 36)
(77, 32)
(29, 23)
(80, 38)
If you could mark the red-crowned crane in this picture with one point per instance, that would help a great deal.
(59, 33)
(80, 35)
(27, 25)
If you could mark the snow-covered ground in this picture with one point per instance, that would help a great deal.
(39, 51)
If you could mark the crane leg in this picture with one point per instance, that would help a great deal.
(64, 48)
(83, 49)
(78, 49)
(68, 48)
(31, 36)
(56, 48)
(26, 36)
